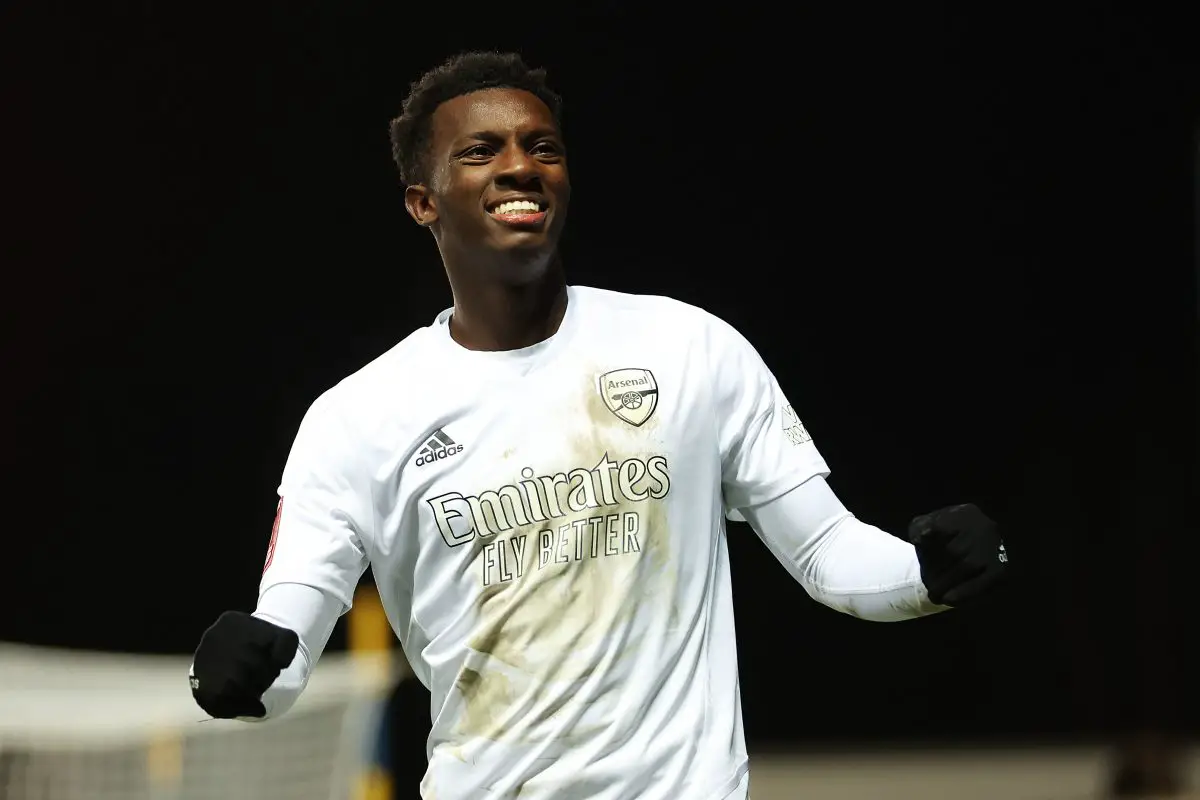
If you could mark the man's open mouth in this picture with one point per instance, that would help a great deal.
(520, 213)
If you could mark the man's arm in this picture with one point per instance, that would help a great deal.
(255, 666)
(773, 476)
(840, 561)
(312, 615)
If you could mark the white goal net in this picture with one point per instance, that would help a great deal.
(93, 726)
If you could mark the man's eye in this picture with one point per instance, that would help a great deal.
(545, 149)
(478, 151)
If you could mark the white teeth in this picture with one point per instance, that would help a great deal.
(515, 206)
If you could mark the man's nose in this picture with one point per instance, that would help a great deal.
(516, 166)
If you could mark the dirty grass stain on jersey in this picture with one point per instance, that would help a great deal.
(552, 635)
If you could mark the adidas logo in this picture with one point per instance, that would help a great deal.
(438, 447)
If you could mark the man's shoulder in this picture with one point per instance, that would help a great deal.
(654, 309)
(668, 317)
(384, 381)
(365, 415)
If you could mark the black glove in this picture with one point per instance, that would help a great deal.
(238, 659)
(961, 553)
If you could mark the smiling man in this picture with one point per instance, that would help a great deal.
(546, 521)
(487, 174)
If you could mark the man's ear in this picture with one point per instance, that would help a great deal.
(419, 202)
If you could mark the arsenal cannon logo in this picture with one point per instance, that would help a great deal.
(631, 394)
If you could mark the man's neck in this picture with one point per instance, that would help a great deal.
(495, 316)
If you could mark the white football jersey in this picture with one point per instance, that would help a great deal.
(546, 527)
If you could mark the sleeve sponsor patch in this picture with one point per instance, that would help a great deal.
(793, 428)
(274, 537)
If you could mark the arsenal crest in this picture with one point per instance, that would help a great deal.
(631, 394)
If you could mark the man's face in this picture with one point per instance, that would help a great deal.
(498, 176)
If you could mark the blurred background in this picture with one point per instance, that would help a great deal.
(964, 241)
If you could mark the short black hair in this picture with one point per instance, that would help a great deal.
(462, 74)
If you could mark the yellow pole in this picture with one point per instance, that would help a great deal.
(375, 784)
(369, 639)
(164, 763)
(369, 631)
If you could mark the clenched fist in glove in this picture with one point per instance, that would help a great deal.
(961, 553)
(238, 659)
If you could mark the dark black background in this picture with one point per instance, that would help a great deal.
(963, 242)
